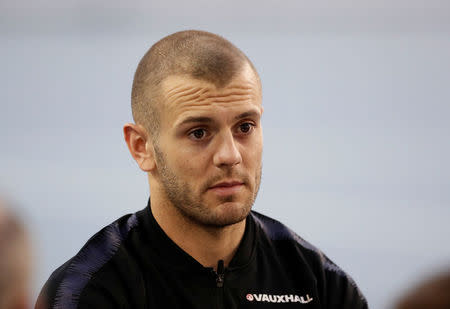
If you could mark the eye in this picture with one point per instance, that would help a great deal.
(198, 134)
(246, 127)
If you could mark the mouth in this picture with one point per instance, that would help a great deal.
(226, 188)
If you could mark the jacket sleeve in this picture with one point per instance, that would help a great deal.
(91, 297)
(62, 291)
(342, 292)
(336, 288)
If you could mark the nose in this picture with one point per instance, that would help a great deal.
(227, 153)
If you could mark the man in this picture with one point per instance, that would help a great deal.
(196, 102)
(14, 261)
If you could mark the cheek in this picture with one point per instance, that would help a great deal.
(191, 166)
(253, 153)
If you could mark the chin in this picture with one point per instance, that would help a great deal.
(229, 213)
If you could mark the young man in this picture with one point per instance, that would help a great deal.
(196, 103)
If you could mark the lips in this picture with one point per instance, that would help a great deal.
(225, 188)
(227, 184)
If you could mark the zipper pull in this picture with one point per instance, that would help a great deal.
(220, 274)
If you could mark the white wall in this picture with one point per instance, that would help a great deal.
(356, 123)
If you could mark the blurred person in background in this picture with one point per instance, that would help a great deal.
(433, 293)
(15, 261)
(197, 107)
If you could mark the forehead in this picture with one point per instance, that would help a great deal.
(184, 95)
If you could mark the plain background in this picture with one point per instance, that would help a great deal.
(356, 123)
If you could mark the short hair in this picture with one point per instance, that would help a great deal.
(198, 54)
(14, 258)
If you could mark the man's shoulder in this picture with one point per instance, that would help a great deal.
(278, 232)
(67, 283)
(282, 237)
(336, 285)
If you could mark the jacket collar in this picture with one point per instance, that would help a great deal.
(173, 256)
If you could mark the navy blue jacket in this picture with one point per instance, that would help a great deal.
(133, 264)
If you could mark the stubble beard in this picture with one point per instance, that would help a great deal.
(192, 207)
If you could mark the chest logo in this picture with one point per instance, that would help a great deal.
(271, 298)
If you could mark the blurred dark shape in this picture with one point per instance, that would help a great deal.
(433, 293)
(15, 261)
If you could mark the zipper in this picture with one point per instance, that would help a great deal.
(220, 274)
(220, 278)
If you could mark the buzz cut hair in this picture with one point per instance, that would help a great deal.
(197, 54)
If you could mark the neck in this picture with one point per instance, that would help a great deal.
(206, 244)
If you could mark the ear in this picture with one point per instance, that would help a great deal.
(141, 148)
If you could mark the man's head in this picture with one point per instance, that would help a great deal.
(196, 102)
(198, 54)
(14, 261)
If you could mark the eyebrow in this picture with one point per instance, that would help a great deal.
(202, 119)
(193, 119)
(251, 113)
